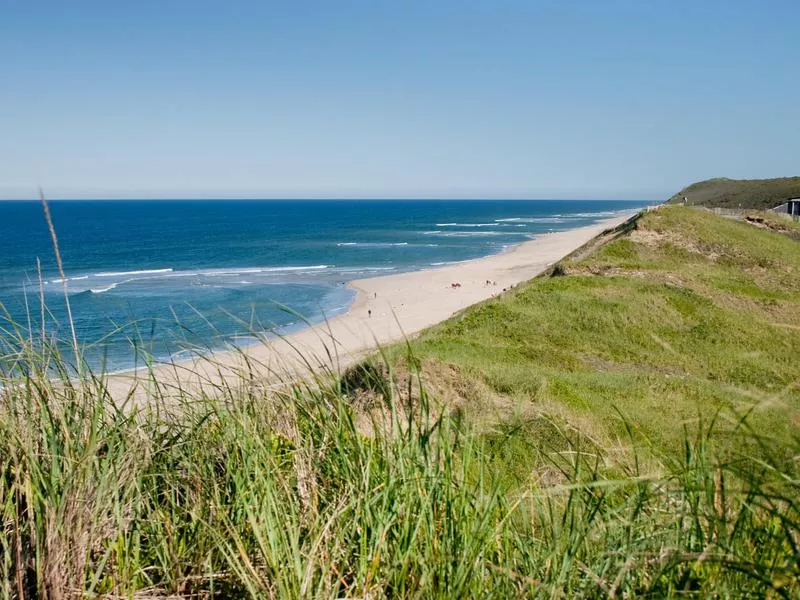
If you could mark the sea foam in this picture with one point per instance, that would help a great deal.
(126, 273)
(465, 225)
(532, 220)
(105, 289)
(372, 244)
(467, 234)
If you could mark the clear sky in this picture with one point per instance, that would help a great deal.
(395, 98)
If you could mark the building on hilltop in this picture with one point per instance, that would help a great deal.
(790, 207)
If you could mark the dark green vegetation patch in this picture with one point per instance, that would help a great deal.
(722, 192)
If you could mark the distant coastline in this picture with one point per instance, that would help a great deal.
(385, 310)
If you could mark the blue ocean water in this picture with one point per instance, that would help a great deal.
(164, 276)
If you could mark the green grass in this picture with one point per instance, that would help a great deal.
(584, 436)
(688, 315)
(285, 496)
(722, 192)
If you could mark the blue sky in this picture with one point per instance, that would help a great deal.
(561, 99)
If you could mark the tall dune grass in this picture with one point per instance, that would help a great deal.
(302, 492)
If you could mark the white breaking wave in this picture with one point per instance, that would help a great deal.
(606, 213)
(245, 271)
(372, 244)
(561, 218)
(218, 273)
(465, 224)
(59, 280)
(363, 269)
(532, 220)
(126, 273)
(472, 233)
(103, 290)
(311, 268)
(164, 274)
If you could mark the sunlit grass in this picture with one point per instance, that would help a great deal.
(688, 315)
(296, 493)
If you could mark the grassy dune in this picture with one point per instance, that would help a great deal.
(685, 318)
(626, 427)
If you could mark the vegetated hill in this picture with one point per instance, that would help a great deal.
(686, 315)
(722, 192)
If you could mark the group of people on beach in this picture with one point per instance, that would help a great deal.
(486, 283)
(455, 285)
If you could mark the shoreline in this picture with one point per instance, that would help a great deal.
(518, 267)
(385, 309)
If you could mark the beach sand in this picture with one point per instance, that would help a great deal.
(385, 310)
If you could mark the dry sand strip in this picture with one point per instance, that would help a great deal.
(386, 309)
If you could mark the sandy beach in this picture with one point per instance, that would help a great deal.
(385, 310)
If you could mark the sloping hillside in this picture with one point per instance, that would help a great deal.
(722, 192)
(687, 316)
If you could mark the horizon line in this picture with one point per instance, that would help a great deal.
(325, 199)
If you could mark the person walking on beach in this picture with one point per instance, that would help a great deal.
(369, 312)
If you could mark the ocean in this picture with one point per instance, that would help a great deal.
(168, 277)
